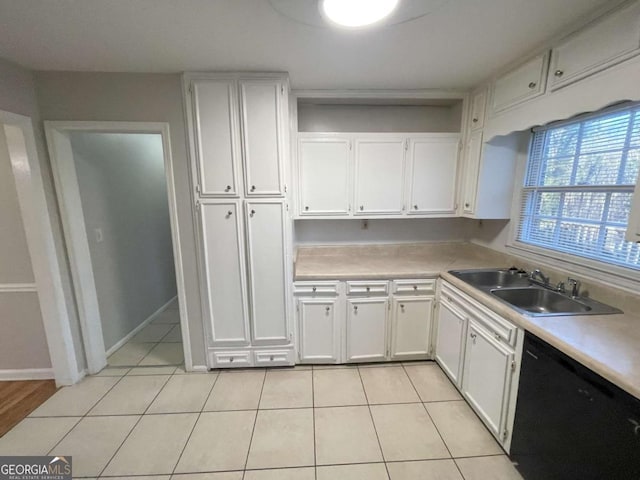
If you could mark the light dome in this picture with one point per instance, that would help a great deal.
(357, 13)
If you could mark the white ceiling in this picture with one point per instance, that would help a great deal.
(456, 47)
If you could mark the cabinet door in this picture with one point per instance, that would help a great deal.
(595, 48)
(216, 136)
(411, 328)
(367, 329)
(486, 380)
(523, 83)
(323, 169)
(450, 340)
(319, 335)
(471, 172)
(261, 104)
(267, 271)
(478, 107)
(224, 300)
(379, 176)
(432, 175)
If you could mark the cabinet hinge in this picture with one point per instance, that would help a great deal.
(282, 89)
(190, 89)
(406, 144)
(505, 434)
(350, 145)
(285, 189)
(198, 204)
(198, 189)
(513, 365)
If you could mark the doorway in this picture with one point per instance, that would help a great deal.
(115, 189)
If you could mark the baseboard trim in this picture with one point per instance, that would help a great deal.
(27, 374)
(146, 322)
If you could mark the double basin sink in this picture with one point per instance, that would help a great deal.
(520, 291)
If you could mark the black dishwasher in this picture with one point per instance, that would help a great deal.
(570, 423)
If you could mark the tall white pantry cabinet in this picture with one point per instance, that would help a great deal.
(238, 149)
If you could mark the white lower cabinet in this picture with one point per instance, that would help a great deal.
(487, 376)
(360, 321)
(411, 327)
(318, 329)
(367, 320)
(449, 342)
(480, 352)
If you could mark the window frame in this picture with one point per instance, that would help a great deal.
(600, 271)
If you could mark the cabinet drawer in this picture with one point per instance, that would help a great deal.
(367, 288)
(414, 287)
(272, 358)
(315, 288)
(230, 359)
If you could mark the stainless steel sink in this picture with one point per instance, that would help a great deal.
(522, 292)
(541, 301)
(493, 278)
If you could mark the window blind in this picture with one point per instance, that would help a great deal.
(579, 184)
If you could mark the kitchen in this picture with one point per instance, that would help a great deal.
(324, 227)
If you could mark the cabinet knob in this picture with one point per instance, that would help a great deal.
(229, 213)
(271, 358)
(228, 188)
(497, 336)
(306, 209)
(558, 73)
(361, 207)
(355, 308)
(230, 359)
(415, 207)
(467, 205)
(253, 188)
(533, 85)
(415, 287)
(475, 120)
(402, 306)
(327, 309)
(252, 213)
(313, 289)
(368, 289)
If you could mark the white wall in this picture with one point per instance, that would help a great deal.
(124, 194)
(343, 232)
(379, 118)
(135, 97)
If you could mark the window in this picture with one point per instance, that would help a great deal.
(579, 184)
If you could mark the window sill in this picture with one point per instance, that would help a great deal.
(592, 270)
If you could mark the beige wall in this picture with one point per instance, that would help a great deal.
(135, 97)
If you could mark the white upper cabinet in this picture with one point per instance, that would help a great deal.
(262, 103)
(471, 170)
(523, 83)
(214, 104)
(610, 40)
(379, 175)
(431, 174)
(224, 294)
(267, 271)
(478, 108)
(324, 175)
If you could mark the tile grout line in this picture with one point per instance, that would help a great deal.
(255, 421)
(432, 421)
(374, 424)
(184, 447)
(313, 418)
(82, 417)
(133, 428)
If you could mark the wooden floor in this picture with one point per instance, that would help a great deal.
(18, 399)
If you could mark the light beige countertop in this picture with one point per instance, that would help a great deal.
(607, 344)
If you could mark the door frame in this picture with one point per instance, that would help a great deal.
(37, 221)
(69, 202)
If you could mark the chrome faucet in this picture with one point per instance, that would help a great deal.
(542, 276)
(575, 286)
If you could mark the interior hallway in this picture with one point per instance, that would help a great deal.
(157, 344)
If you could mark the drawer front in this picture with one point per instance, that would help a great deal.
(315, 288)
(267, 358)
(367, 288)
(500, 329)
(231, 359)
(414, 287)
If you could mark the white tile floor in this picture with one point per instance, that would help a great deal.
(391, 422)
(157, 344)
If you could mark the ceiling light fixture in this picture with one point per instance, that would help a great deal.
(357, 13)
